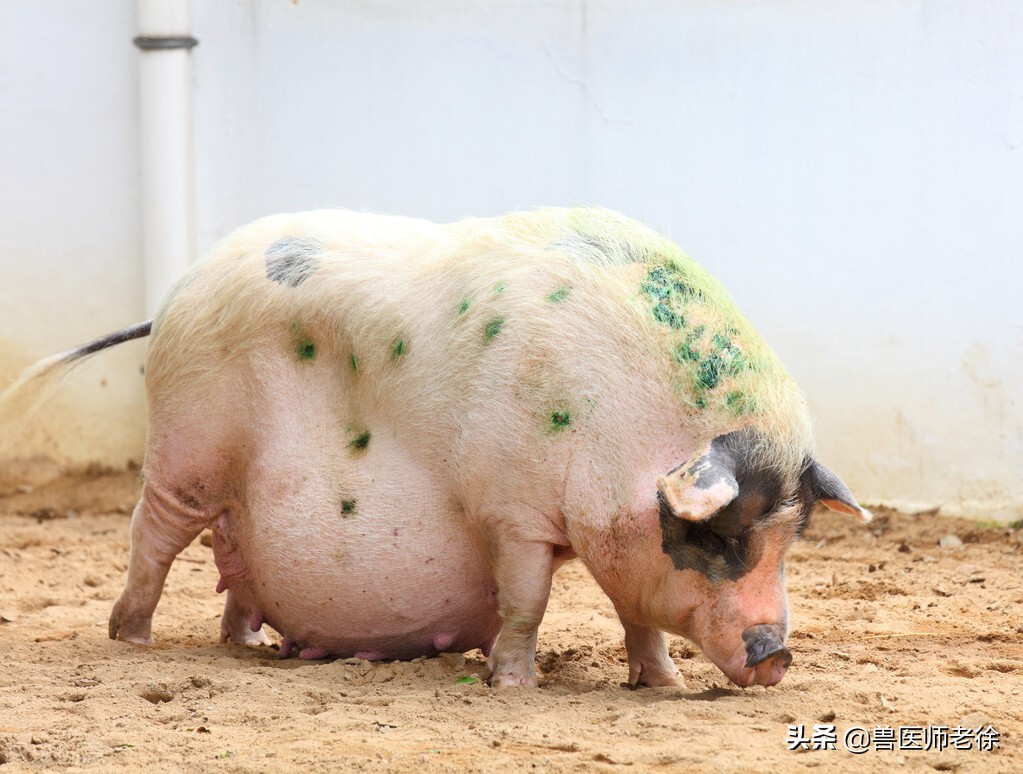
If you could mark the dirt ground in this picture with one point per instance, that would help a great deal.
(890, 630)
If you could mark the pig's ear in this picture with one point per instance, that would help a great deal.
(702, 486)
(831, 491)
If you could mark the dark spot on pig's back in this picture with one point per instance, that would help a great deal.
(292, 260)
(600, 248)
(360, 442)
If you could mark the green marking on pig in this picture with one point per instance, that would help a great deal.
(666, 282)
(304, 346)
(360, 443)
(721, 341)
(492, 329)
(737, 362)
(560, 420)
(739, 403)
(716, 365)
(353, 362)
(559, 295)
(725, 359)
(464, 306)
(656, 283)
(711, 362)
(671, 293)
(398, 349)
(713, 357)
(664, 314)
(680, 290)
(709, 373)
(348, 508)
(688, 349)
(499, 288)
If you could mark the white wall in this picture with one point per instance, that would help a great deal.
(852, 171)
(69, 218)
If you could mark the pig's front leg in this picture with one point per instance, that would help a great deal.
(649, 661)
(161, 527)
(523, 571)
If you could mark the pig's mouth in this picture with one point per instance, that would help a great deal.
(762, 659)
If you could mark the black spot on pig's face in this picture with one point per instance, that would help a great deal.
(728, 544)
(292, 260)
(692, 546)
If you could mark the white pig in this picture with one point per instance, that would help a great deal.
(398, 430)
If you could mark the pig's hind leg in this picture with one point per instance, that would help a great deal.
(163, 524)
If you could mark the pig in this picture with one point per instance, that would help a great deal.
(397, 431)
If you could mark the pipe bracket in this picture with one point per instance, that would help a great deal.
(164, 42)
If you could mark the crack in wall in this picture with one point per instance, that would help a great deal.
(584, 87)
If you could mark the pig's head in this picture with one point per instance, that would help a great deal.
(727, 517)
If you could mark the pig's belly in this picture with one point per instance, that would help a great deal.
(379, 582)
(350, 548)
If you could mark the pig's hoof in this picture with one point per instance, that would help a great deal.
(140, 636)
(138, 640)
(257, 638)
(128, 629)
(641, 676)
(512, 680)
(246, 637)
(250, 638)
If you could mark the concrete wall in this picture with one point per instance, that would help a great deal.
(69, 219)
(851, 170)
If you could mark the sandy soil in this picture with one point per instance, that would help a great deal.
(889, 629)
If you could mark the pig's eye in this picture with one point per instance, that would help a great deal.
(718, 548)
(713, 538)
(727, 524)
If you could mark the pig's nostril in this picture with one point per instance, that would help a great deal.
(764, 642)
(781, 653)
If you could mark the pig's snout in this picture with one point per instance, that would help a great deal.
(767, 658)
(764, 641)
